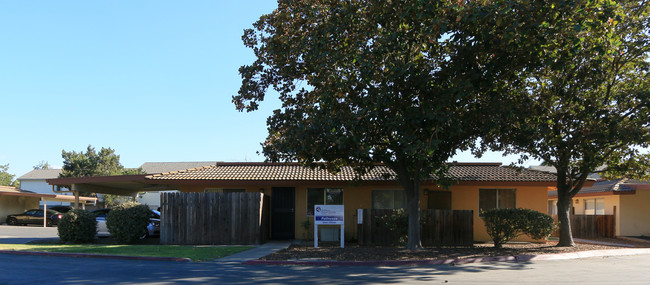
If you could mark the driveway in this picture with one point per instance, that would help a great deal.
(24, 234)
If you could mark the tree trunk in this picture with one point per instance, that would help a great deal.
(413, 209)
(563, 213)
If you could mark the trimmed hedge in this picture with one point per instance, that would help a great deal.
(77, 226)
(504, 225)
(128, 222)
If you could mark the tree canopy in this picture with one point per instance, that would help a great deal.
(585, 102)
(42, 165)
(6, 178)
(92, 163)
(409, 83)
(365, 82)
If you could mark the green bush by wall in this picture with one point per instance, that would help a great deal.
(504, 225)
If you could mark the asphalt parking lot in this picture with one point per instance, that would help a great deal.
(24, 234)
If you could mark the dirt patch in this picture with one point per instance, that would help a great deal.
(353, 252)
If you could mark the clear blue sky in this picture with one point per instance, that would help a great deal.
(151, 79)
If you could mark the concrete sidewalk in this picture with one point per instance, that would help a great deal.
(256, 253)
(455, 261)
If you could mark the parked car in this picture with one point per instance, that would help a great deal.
(153, 228)
(60, 208)
(34, 216)
(100, 217)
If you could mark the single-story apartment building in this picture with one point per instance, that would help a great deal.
(626, 199)
(295, 189)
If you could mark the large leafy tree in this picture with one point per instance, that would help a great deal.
(93, 163)
(364, 82)
(585, 103)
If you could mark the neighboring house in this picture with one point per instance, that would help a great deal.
(35, 181)
(294, 190)
(152, 198)
(16, 201)
(627, 199)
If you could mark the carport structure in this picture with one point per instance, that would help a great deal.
(15, 199)
(123, 185)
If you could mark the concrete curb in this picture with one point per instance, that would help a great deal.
(90, 255)
(516, 258)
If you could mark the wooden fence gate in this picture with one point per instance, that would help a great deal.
(213, 218)
(591, 226)
(438, 228)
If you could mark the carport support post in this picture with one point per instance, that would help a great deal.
(44, 213)
(76, 200)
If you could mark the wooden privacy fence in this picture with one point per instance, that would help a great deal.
(438, 228)
(213, 218)
(591, 226)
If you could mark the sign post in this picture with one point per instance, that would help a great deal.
(328, 215)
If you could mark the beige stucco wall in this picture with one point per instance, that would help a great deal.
(15, 205)
(463, 197)
(610, 202)
(635, 214)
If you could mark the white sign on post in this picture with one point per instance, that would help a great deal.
(328, 215)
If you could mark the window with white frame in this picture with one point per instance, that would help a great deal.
(594, 206)
(323, 196)
(388, 199)
(496, 198)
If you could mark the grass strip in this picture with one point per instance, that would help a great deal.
(195, 253)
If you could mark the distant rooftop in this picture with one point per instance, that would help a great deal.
(40, 174)
(161, 167)
(11, 189)
(617, 186)
(551, 169)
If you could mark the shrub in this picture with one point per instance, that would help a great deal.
(397, 223)
(77, 226)
(128, 222)
(504, 225)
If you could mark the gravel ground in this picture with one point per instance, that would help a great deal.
(353, 252)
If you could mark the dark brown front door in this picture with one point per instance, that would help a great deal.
(283, 212)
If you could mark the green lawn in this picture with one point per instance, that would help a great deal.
(195, 253)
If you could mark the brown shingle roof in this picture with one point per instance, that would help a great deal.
(616, 186)
(252, 171)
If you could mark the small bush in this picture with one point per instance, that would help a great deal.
(77, 226)
(397, 223)
(504, 225)
(128, 222)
